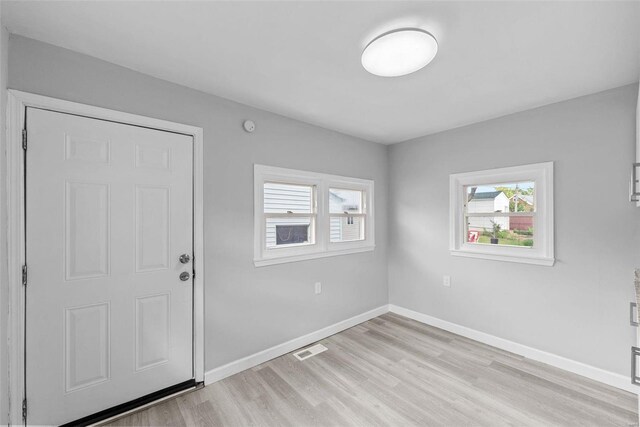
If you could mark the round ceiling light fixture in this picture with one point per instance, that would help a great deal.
(399, 52)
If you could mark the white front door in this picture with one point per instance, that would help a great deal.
(108, 213)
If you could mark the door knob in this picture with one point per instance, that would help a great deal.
(185, 258)
(184, 276)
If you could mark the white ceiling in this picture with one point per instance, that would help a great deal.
(302, 59)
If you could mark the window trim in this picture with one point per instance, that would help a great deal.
(543, 251)
(322, 246)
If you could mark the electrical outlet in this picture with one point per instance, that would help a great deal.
(446, 281)
(318, 288)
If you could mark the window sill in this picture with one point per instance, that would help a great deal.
(548, 262)
(261, 262)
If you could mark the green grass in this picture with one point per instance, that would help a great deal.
(508, 239)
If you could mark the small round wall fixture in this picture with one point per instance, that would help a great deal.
(249, 126)
(399, 52)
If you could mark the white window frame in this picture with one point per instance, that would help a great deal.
(321, 246)
(542, 252)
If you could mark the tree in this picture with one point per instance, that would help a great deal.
(510, 192)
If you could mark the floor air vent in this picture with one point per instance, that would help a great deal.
(309, 352)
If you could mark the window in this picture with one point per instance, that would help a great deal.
(290, 214)
(500, 214)
(503, 214)
(304, 215)
(347, 218)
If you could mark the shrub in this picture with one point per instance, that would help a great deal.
(496, 229)
(528, 242)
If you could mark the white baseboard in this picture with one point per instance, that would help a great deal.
(255, 359)
(597, 374)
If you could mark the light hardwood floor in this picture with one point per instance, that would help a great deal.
(393, 371)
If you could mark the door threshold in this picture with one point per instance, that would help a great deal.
(124, 409)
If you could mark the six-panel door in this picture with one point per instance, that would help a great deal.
(109, 212)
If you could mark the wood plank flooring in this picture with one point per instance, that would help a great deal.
(393, 371)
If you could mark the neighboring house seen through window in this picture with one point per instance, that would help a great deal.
(504, 214)
(289, 212)
(302, 215)
(347, 216)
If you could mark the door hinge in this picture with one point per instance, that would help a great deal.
(24, 139)
(24, 409)
(24, 275)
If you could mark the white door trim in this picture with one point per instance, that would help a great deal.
(17, 103)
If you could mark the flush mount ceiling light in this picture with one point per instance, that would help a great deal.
(399, 52)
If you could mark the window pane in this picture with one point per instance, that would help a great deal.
(513, 231)
(345, 201)
(346, 228)
(288, 231)
(283, 198)
(510, 197)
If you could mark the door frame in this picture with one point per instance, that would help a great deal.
(18, 101)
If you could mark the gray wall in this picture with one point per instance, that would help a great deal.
(4, 308)
(579, 307)
(247, 309)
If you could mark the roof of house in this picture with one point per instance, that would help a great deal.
(334, 196)
(486, 195)
(526, 198)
